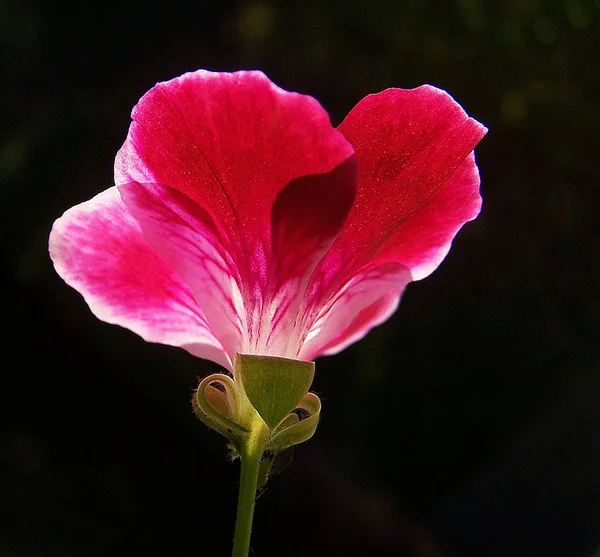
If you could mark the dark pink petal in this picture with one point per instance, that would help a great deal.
(307, 216)
(418, 184)
(230, 142)
(367, 300)
(98, 248)
(409, 145)
(426, 235)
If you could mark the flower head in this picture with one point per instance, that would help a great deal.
(243, 222)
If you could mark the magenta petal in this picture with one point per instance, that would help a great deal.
(230, 142)
(365, 301)
(307, 217)
(409, 145)
(418, 184)
(97, 248)
(426, 235)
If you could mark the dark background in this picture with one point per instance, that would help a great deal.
(468, 425)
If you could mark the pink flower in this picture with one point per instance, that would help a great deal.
(242, 221)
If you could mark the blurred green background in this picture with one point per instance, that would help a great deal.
(468, 425)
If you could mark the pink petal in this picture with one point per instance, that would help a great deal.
(182, 233)
(238, 229)
(418, 184)
(230, 142)
(307, 216)
(245, 314)
(426, 235)
(97, 248)
(367, 300)
(242, 187)
(409, 145)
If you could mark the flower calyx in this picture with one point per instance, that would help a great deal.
(266, 406)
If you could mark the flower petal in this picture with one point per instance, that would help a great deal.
(97, 248)
(418, 184)
(426, 235)
(409, 144)
(242, 187)
(367, 300)
(308, 215)
(182, 233)
(257, 317)
(230, 142)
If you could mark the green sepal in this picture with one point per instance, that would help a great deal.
(218, 407)
(273, 386)
(294, 430)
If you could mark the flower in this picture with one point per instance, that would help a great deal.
(243, 222)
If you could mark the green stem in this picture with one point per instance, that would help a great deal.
(247, 495)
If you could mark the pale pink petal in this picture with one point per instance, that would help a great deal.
(367, 300)
(182, 233)
(98, 248)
